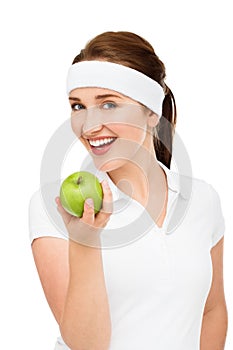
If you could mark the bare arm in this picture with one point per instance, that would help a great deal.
(73, 281)
(51, 259)
(215, 319)
(85, 322)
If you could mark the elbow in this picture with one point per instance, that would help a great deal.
(84, 339)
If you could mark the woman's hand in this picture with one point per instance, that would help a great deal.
(85, 230)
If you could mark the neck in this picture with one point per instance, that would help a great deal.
(141, 178)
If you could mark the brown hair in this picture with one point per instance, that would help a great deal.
(133, 51)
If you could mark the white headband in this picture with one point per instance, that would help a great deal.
(117, 77)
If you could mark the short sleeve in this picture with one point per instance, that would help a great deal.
(218, 227)
(40, 224)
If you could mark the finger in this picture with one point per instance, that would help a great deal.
(88, 212)
(64, 214)
(107, 205)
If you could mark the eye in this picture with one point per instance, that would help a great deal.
(108, 105)
(77, 107)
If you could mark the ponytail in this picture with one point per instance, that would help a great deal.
(164, 131)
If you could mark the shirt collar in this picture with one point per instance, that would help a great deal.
(176, 182)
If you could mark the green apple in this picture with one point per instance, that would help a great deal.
(76, 188)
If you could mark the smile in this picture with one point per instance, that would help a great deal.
(101, 142)
(101, 146)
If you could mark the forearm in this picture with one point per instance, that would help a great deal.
(214, 329)
(85, 323)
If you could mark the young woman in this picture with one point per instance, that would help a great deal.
(146, 272)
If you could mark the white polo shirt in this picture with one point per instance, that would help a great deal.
(157, 279)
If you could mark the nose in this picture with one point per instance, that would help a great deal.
(93, 121)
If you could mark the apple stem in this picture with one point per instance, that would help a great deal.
(79, 180)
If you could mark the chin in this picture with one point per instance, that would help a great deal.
(109, 165)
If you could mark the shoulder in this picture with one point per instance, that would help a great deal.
(188, 186)
(194, 186)
(205, 206)
(44, 219)
(199, 197)
(205, 193)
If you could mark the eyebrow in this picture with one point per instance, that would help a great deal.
(98, 97)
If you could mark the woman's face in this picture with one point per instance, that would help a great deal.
(110, 125)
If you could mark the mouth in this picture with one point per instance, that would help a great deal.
(101, 146)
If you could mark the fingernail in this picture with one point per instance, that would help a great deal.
(89, 202)
(105, 184)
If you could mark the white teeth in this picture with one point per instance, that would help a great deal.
(101, 142)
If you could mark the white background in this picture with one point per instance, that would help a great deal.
(38, 43)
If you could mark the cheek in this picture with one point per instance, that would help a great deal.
(130, 132)
(76, 125)
(133, 125)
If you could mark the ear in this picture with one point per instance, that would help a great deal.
(152, 119)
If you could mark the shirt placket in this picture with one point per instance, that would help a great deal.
(165, 258)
